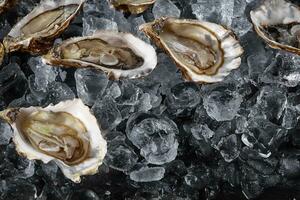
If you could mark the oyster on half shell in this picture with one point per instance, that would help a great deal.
(66, 133)
(120, 55)
(204, 51)
(132, 6)
(37, 30)
(278, 23)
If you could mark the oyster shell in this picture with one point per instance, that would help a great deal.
(278, 23)
(66, 133)
(37, 30)
(1, 52)
(204, 51)
(120, 55)
(132, 6)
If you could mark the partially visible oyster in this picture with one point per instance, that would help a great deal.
(2, 51)
(5, 4)
(66, 133)
(132, 6)
(278, 23)
(37, 30)
(204, 51)
(120, 55)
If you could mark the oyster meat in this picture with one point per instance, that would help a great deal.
(1, 52)
(66, 133)
(37, 30)
(278, 23)
(204, 51)
(120, 55)
(132, 6)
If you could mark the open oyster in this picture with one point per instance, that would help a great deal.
(278, 23)
(1, 53)
(132, 6)
(204, 51)
(66, 133)
(120, 55)
(37, 30)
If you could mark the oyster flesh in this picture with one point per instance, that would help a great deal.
(278, 23)
(66, 133)
(5, 4)
(132, 6)
(120, 55)
(204, 51)
(37, 30)
(1, 52)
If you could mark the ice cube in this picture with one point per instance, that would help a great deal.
(165, 8)
(119, 155)
(90, 83)
(154, 136)
(147, 174)
(5, 133)
(107, 113)
(222, 105)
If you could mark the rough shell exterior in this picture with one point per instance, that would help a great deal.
(38, 44)
(275, 12)
(97, 144)
(228, 43)
(134, 7)
(139, 47)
